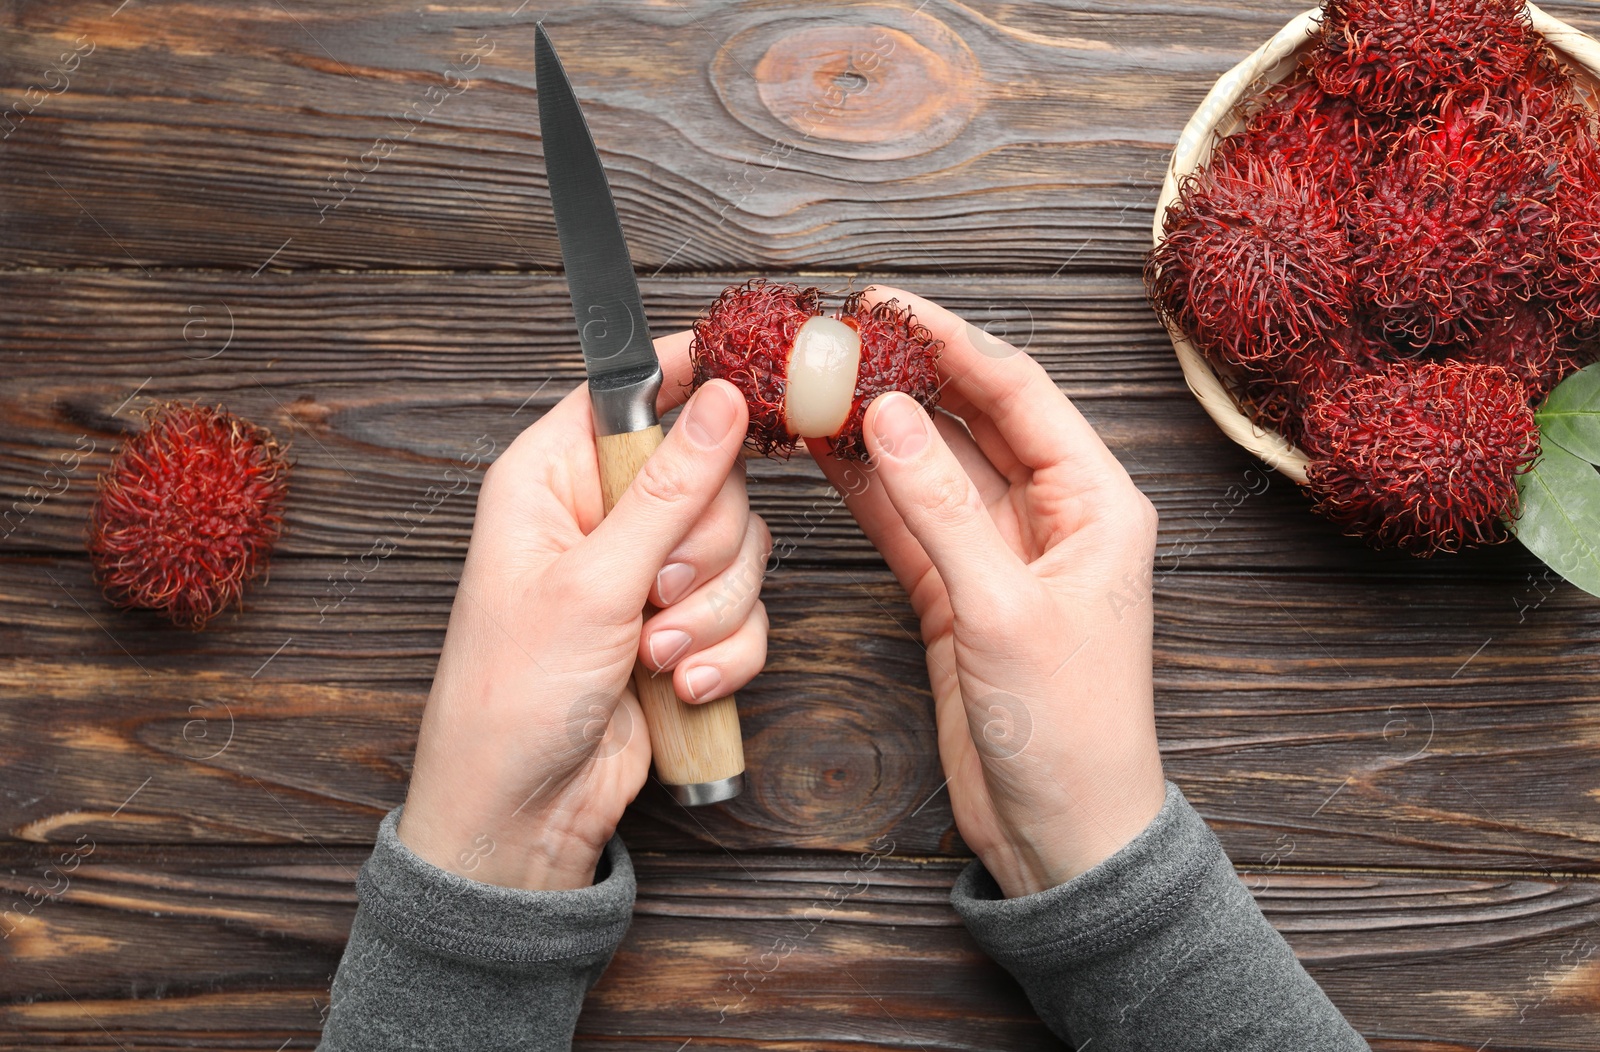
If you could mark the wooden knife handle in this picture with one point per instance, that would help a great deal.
(699, 754)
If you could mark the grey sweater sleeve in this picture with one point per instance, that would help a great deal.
(437, 961)
(1159, 947)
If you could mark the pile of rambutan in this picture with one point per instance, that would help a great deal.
(1395, 258)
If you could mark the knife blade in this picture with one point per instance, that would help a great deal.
(697, 749)
(618, 355)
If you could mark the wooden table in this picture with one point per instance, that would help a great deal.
(292, 209)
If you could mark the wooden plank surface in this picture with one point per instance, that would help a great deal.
(1312, 726)
(879, 959)
(382, 382)
(293, 209)
(929, 137)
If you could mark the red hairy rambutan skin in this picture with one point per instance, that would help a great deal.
(1399, 56)
(1573, 279)
(188, 513)
(745, 338)
(1350, 352)
(1300, 126)
(1277, 401)
(1543, 89)
(1457, 223)
(1253, 265)
(898, 353)
(1271, 403)
(1422, 456)
(1532, 344)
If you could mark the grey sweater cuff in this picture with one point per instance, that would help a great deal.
(442, 913)
(438, 961)
(1158, 947)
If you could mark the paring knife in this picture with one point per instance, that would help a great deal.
(699, 755)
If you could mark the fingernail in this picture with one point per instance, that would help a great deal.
(666, 647)
(901, 426)
(673, 581)
(702, 681)
(709, 418)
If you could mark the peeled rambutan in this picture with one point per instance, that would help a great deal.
(1456, 225)
(746, 338)
(809, 375)
(1298, 125)
(1254, 264)
(187, 513)
(1399, 56)
(1423, 455)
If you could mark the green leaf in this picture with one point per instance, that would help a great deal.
(1560, 520)
(1570, 415)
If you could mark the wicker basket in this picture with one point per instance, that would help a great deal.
(1217, 117)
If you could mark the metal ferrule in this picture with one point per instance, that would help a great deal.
(625, 404)
(699, 794)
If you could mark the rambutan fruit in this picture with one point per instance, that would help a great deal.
(1544, 91)
(1399, 56)
(805, 374)
(1270, 403)
(1423, 455)
(188, 513)
(1457, 223)
(1532, 344)
(1395, 258)
(1350, 352)
(1573, 277)
(1298, 125)
(1277, 401)
(1254, 264)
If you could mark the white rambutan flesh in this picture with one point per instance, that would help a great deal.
(824, 364)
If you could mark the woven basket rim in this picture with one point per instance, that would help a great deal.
(1269, 64)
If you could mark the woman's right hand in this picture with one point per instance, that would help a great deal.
(1027, 552)
(533, 741)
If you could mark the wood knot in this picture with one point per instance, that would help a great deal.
(827, 772)
(882, 91)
